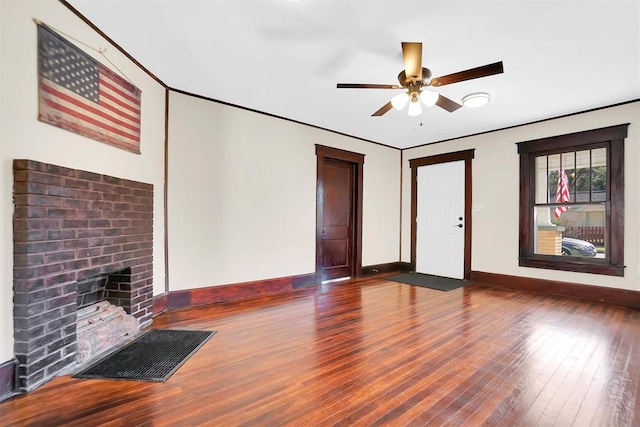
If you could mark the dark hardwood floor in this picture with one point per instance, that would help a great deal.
(376, 352)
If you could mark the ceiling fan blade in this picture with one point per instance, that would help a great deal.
(386, 107)
(447, 104)
(366, 86)
(412, 56)
(473, 73)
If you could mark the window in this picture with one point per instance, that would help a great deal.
(572, 201)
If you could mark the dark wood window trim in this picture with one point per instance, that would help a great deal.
(611, 137)
(467, 156)
(322, 153)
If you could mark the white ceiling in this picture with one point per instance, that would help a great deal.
(285, 58)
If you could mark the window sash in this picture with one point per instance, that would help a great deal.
(550, 232)
(584, 166)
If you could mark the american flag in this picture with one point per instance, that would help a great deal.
(562, 193)
(79, 94)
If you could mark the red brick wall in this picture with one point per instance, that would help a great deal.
(70, 225)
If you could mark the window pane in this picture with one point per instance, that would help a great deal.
(599, 175)
(583, 159)
(578, 231)
(541, 179)
(554, 173)
(583, 176)
(569, 166)
(599, 157)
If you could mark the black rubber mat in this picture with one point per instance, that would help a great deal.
(154, 356)
(427, 281)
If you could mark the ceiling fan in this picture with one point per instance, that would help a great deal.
(415, 79)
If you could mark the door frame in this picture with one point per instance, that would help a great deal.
(467, 156)
(357, 160)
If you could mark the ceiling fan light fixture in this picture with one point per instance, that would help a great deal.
(414, 108)
(429, 98)
(400, 100)
(415, 79)
(476, 100)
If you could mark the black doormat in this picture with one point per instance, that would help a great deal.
(154, 356)
(427, 281)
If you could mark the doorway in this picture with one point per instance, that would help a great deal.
(338, 214)
(441, 214)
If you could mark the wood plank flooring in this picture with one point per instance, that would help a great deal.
(376, 352)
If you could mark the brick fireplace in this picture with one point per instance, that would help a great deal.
(71, 226)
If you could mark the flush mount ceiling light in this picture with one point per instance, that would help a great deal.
(476, 100)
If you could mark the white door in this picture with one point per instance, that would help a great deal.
(440, 220)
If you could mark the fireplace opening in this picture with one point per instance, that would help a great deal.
(102, 323)
(91, 291)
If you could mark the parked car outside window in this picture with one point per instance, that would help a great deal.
(577, 247)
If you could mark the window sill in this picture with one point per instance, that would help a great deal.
(580, 267)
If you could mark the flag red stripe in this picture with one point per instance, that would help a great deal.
(119, 102)
(87, 119)
(116, 89)
(88, 107)
(119, 112)
(126, 85)
(101, 135)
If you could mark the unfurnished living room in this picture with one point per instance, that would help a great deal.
(310, 213)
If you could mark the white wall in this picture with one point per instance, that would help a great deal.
(23, 136)
(242, 195)
(496, 189)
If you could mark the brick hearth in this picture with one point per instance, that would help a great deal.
(71, 225)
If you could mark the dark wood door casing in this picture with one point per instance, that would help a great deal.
(338, 228)
(467, 156)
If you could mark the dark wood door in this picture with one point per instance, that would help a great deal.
(337, 220)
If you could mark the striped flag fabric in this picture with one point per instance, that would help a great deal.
(79, 94)
(562, 193)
